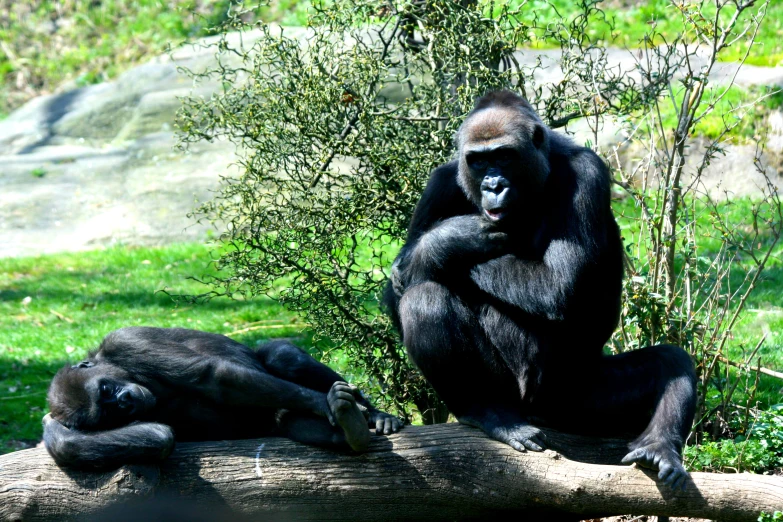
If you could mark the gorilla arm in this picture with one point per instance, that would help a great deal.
(442, 199)
(578, 225)
(459, 241)
(136, 443)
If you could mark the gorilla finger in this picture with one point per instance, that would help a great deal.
(665, 474)
(387, 427)
(538, 439)
(681, 482)
(346, 396)
(677, 480)
(517, 445)
(656, 461)
(379, 426)
(529, 444)
(634, 456)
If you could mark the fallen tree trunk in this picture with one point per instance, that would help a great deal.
(444, 472)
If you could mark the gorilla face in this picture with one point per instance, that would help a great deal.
(90, 396)
(493, 170)
(503, 160)
(116, 402)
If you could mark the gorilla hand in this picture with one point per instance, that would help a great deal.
(521, 436)
(453, 247)
(469, 235)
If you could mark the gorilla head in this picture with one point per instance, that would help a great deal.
(94, 395)
(503, 150)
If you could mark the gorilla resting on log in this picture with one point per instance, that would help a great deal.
(145, 386)
(508, 287)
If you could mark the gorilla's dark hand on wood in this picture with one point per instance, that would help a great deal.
(145, 385)
(508, 286)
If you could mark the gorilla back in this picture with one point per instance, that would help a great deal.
(509, 285)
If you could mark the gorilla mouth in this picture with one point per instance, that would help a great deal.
(495, 214)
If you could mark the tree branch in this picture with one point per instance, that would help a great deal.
(442, 472)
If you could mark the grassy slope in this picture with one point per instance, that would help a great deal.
(48, 42)
(632, 21)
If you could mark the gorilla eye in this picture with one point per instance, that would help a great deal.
(477, 162)
(106, 390)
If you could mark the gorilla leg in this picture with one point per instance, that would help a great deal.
(289, 362)
(652, 391)
(346, 427)
(445, 340)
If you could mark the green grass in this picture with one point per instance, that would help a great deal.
(48, 42)
(745, 110)
(633, 23)
(54, 309)
(630, 24)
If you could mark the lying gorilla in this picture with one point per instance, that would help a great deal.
(145, 386)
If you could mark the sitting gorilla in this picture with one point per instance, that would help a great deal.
(509, 284)
(145, 386)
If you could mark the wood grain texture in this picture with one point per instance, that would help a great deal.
(442, 472)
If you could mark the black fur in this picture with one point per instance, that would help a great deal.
(508, 287)
(145, 386)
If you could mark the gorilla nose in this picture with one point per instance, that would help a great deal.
(494, 184)
(125, 399)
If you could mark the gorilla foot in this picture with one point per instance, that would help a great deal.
(521, 437)
(346, 414)
(661, 457)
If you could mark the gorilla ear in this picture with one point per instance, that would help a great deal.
(84, 364)
(538, 136)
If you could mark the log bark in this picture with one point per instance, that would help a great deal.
(442, 472)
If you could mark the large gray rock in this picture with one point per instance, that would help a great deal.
(71, 197)
(95, 166)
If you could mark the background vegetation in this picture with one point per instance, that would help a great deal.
(55, 308)
(50, 45)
